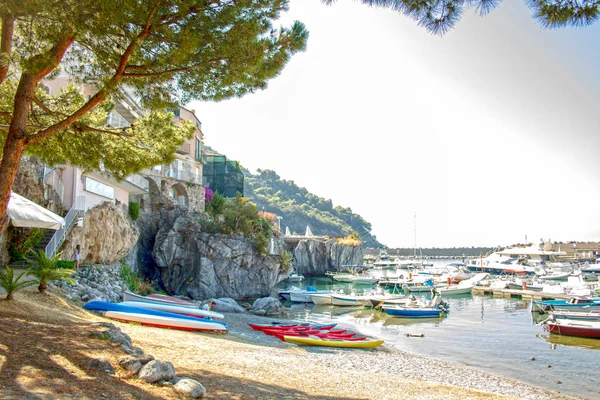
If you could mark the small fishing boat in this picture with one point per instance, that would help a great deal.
(380, 300)
(525, 285)
(294, 277)
(321, 298)
(581, 316)
(364, 280)
(343, 277)
(157, 299)
(192, 324)
(454, 290)
(413, 312)
(196, 312)
(315, 341)
(305, 296)
(348, 300)
(574, 304)
(589, 329)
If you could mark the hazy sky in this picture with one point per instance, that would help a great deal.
(488, 134)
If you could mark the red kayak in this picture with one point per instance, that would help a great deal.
(323, 335)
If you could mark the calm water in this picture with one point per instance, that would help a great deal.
(492, 334)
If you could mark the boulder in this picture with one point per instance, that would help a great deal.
(204, 265)
(107, 235)
(270, 306)
(190, 387)
(101, 364)
(134, 363)
(157, 370)
(226, 305)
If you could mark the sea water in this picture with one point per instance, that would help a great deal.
(493, 334)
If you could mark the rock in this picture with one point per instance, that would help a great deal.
(259, 312)
(101, 364)
(157, 370)
(203, 265)
(227, 305)
(190, 387)
(132, 350)
(270, 305)
(107, 235)
(134, 363)
(118, 337)
(108, 325)
(98, 335)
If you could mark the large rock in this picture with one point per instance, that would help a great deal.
(270, 306)
(107, 235)
(227, 305)
(134, 363)
(157, 370)
(101, 364)
(317, 256)
(202, 265)
(190, 387)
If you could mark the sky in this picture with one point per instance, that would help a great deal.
(487, 134)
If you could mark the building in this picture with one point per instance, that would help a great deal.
(222, 175)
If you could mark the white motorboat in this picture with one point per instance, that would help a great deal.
(343, 277)
(348, 300)
(174, 309)
(305, 296)
(554, 276)
(321, 298)
(364, 280)
(295, 277)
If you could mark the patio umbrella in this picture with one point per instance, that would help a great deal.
(25, 213)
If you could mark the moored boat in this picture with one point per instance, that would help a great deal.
(413, 312)
(348, 300)
(574, 304)
(321, 298)
(582, 316)
(589, 329)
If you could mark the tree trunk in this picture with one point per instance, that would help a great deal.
(9, 296)
(42, 288)
(16, 142)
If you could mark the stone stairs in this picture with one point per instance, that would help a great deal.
(21, 264)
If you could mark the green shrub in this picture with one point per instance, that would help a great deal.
(216, 205)
(64, 264)
(10, 284)
(133, 282)
(134, 210)
(261, 243)
(23, 240)
(285, 260)
(46, 269)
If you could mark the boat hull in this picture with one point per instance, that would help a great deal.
(174, 309)
(157, 299)
(454, 291)
(166, 322)
(575, 328)
(357, 344)
(321, 299)
(413, 312)
(347, 301)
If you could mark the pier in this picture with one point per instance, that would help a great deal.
(518, 294)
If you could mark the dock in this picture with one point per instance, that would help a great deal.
(518, 294)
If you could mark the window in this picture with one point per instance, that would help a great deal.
(99, 188)
(198, 149)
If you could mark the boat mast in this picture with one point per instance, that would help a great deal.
(415, 246)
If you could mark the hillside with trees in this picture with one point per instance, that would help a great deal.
(299, 208)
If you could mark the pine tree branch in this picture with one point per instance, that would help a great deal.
(149, 73)
(8, 22)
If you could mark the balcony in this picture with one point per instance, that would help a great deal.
(133, 184)
(185, 148)
(116, 120)
(178, 174)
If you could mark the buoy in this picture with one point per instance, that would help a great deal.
(549, 366)
(524, 285)
(448, 280)
(532, 358)
(410, 276)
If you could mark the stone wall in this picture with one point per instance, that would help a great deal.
(314, 257)
(107, 235)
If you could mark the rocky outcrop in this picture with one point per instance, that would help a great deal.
(99, 282)
(202, 265)
(107, 235)
(157, 370)
(315, 256)
(266, 306)
(28, 181)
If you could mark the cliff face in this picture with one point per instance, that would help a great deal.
(202, 265)
(107, 235)
(315, 257)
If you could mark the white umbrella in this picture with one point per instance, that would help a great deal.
(25, 213)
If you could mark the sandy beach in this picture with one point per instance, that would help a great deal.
(45, 343)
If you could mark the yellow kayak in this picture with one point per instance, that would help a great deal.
(315, 341)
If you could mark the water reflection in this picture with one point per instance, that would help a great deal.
(561, 340)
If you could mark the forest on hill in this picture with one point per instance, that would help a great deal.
(299, 208)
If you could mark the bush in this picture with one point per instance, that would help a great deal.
(63, 264)
(134, 210)
(23, 240)
(133, 282)
(285, 260)
(352, 239)
(216, 205)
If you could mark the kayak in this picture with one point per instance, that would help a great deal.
(194, 312)
(192, 324)
(157, 299)
(315, 341)
(281, 334)
(259, 326)
(106, 306)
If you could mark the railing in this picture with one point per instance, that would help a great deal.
(138, 181)
(179, 174)
(52, 178)
(76, 211)
(115, 120)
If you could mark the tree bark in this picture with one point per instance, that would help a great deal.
(9, 296)
(16, 141)
(8, 22)
(42, 288)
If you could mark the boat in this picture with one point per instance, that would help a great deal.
(463, 287)
(257, 326)
(420, 287)
(574, 304)
(192, 324)
(196, 312)
(305, 296)
(582, 316)
(157, 299)
(348, 300)
(588, 329)
(364, 280)
(104, 306)
(294, 277)
(554, 276)
(524, 284)
(346, 278)
(321, 298)
(315, 341)
(413, 312)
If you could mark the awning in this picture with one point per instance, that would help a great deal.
(27, 214)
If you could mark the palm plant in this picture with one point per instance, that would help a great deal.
(46, 269)
(285, 260)
(11, 284)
